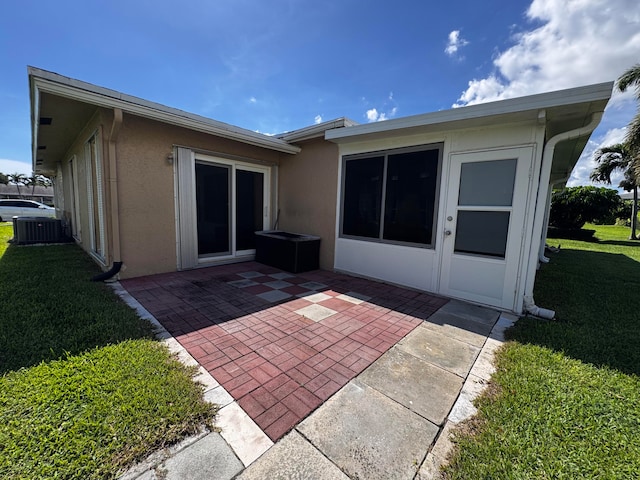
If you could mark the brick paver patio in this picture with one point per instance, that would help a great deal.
(281, 344)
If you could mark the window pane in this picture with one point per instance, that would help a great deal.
(410, 196)
(482, 233)
(362, 197)
(487, 183)
(249, 207)
(212, 208)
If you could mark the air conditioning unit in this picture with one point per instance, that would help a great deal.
(28, 230)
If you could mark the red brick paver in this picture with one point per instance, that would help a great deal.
(280, 365)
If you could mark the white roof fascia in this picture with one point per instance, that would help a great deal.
(536, 102)
(49, 82)
(317, 130)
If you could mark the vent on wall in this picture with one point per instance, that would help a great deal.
(28, 230)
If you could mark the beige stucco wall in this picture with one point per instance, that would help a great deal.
(307, 194)
(146, 189)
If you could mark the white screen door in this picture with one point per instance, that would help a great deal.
(483, 227)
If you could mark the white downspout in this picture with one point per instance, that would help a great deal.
(545, 226)
(540, 214)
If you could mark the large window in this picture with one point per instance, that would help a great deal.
(392, 196)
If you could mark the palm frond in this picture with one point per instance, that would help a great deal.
(630, 78)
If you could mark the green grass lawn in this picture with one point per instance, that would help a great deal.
(565, 400)
(84, 389)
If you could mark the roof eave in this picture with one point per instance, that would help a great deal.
(52, 83)
(316, 131)
(501, 108)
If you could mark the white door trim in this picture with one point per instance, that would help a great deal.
(187, 241)
(486, 280)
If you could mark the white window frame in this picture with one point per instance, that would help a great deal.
(234, 165)
(76, 229)
(98, 251)
(386, 153)
(185, 201)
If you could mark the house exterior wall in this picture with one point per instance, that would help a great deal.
(307, 194)
(422, 268)
(146, 189)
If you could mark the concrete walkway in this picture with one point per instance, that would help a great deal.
(390, 421)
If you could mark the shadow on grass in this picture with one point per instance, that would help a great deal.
(621, 243)
(596, 297)
(49, 307)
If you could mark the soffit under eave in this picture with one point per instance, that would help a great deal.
(68, 119)
(89, 94)
(567, 153)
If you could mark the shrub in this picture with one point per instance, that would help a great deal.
(572, 207)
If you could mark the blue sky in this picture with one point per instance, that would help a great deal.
(278, 65)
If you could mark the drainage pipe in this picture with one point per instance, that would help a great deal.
(108, 274)
(540, 212)
(545, 225)
(113, 198)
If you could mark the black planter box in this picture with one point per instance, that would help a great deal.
(291, 252)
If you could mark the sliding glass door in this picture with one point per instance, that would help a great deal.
(231, 204)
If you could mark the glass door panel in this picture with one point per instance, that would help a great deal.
(249, 207)
(485, 199)
(482, 233)
(213, 208)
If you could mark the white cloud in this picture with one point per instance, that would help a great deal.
(14, 166)
(579, 42)
(374, 116)
(455, 43)
(317, 119)
(575, 42)
(253, 100)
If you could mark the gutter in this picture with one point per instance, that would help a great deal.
(113, 197)
(542, 213)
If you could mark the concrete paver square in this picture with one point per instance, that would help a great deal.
(471, 312)
(460, 328)
(251, 274)
(314, 285)
(293, 458)
(274, 295)
(418, 385)
(281, 275)
(278, 284)
(242, 434)
(316, 312)
(210, 457)
(441, 350)
(368, 435)
(315, 297)
(243, 283)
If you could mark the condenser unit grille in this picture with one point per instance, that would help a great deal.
(37, 230)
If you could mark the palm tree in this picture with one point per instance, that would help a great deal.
(618, 157)
(17, 179)
(4, 179)
(632, 78)
(35, 181)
